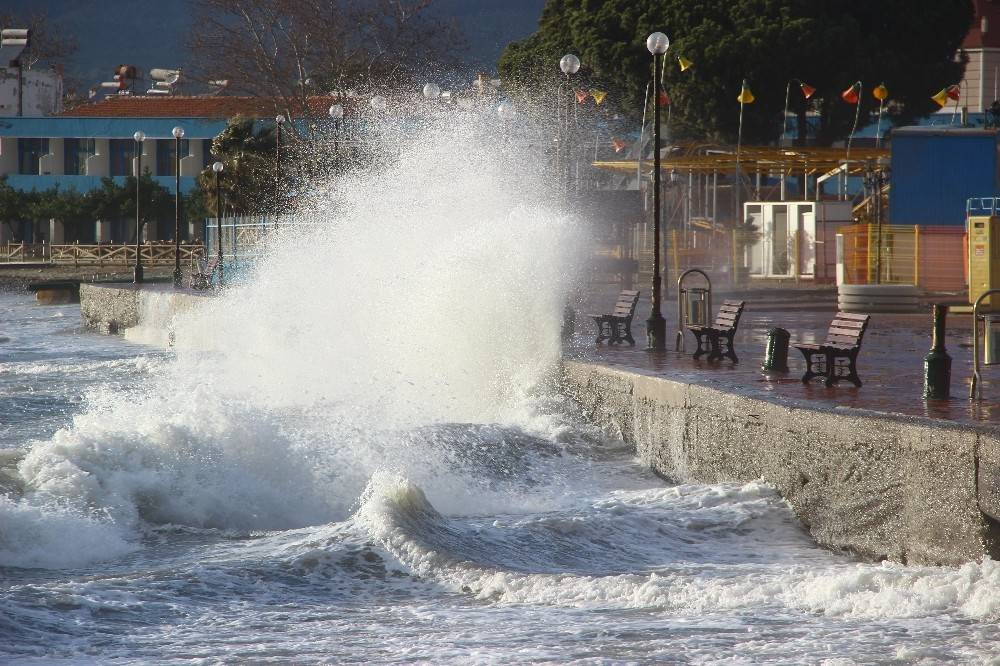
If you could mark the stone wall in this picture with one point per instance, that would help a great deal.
(883, 487)
(112, 308)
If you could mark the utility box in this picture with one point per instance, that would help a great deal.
(984, 255)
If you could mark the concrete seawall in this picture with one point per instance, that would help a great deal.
(907, 489)
(112, 308)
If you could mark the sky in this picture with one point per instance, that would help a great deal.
(150, 33)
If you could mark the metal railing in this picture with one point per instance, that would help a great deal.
(932, 257)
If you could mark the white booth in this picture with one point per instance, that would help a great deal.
(795, 238)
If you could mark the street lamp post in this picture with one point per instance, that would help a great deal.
(178, 133)
(432, 91)
(279, 120)
(217, 168)
(656, 325)
(569, 64)
(337, 114)
(137, 272)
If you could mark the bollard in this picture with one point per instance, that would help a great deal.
(568, 323)
(776, 353)
(937, 363)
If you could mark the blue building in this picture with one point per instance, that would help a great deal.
(76, 149)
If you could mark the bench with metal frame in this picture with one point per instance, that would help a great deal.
(616, 327)
(711, 339)
(201, 276)
(837, 357)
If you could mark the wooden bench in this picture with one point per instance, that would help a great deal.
(712, 338)
(843, 342)
(201, 276)
(617, 326)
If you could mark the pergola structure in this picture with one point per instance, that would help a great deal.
(791, 161)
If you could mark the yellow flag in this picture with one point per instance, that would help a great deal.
(598, 96)
(745, 96)
(685, 63)
(941, 98)
(881, 93)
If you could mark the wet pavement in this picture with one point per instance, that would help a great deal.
(890, 363)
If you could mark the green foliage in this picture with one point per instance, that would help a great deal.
(907, 44)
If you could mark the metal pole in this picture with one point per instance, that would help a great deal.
(277, 172)
(137, 271)
(656, 325)
(218, 227)
(177, 212)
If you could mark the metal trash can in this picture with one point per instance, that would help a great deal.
(991, 340)
(776, 353)
(696, 302)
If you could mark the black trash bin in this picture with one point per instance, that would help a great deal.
(776, 353)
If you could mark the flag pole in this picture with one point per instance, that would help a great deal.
(857, 114)
(784, 117)
(739, 145)
(878, 126)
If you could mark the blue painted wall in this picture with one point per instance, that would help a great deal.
(936, 170)
(86, 183)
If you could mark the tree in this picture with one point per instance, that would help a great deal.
(290, 49)
(247, 149)
(907, 44)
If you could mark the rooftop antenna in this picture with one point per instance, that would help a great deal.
(13, 42)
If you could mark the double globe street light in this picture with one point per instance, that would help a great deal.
(656, 326)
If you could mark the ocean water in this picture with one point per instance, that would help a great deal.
(361, 456)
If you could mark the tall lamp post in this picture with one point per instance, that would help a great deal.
(178, 133)
(569, 64)
(279, 121)
(337, 115)
(137, 272)
(217, 168)
(656, 325)
(432, 91)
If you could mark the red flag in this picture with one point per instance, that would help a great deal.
(618, 145)
(581, 96)
(807, 90)
(851, 95)
(954, 92)
(664, 98)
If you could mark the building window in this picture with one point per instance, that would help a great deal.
(29, 152)
(75, 154)
(165, 159)
(120, 154)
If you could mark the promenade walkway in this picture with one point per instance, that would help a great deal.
(890, 363)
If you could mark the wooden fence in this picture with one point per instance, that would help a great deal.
(119, 254)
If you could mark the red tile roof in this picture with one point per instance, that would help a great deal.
(977, 39)
(135, 106)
